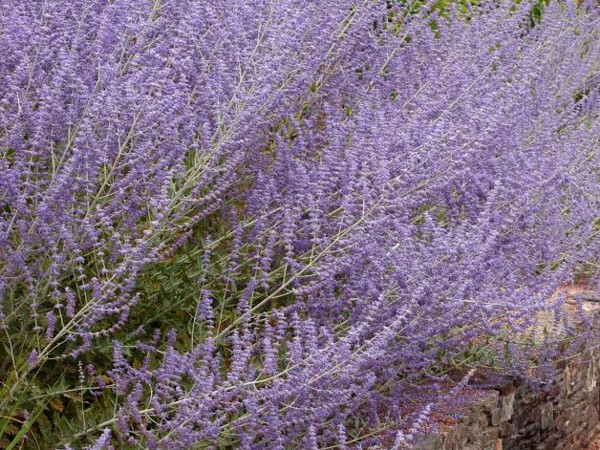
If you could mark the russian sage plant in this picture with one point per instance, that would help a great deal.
(276, 224)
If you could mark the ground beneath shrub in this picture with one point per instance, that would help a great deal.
(595, 445)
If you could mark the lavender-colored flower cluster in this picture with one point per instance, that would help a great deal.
(360, 189)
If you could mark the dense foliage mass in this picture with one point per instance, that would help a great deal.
(279, 224)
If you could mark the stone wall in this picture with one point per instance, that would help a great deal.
(513, 416)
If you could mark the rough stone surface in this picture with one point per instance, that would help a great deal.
(513, 416)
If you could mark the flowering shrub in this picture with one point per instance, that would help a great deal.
(265, 224)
